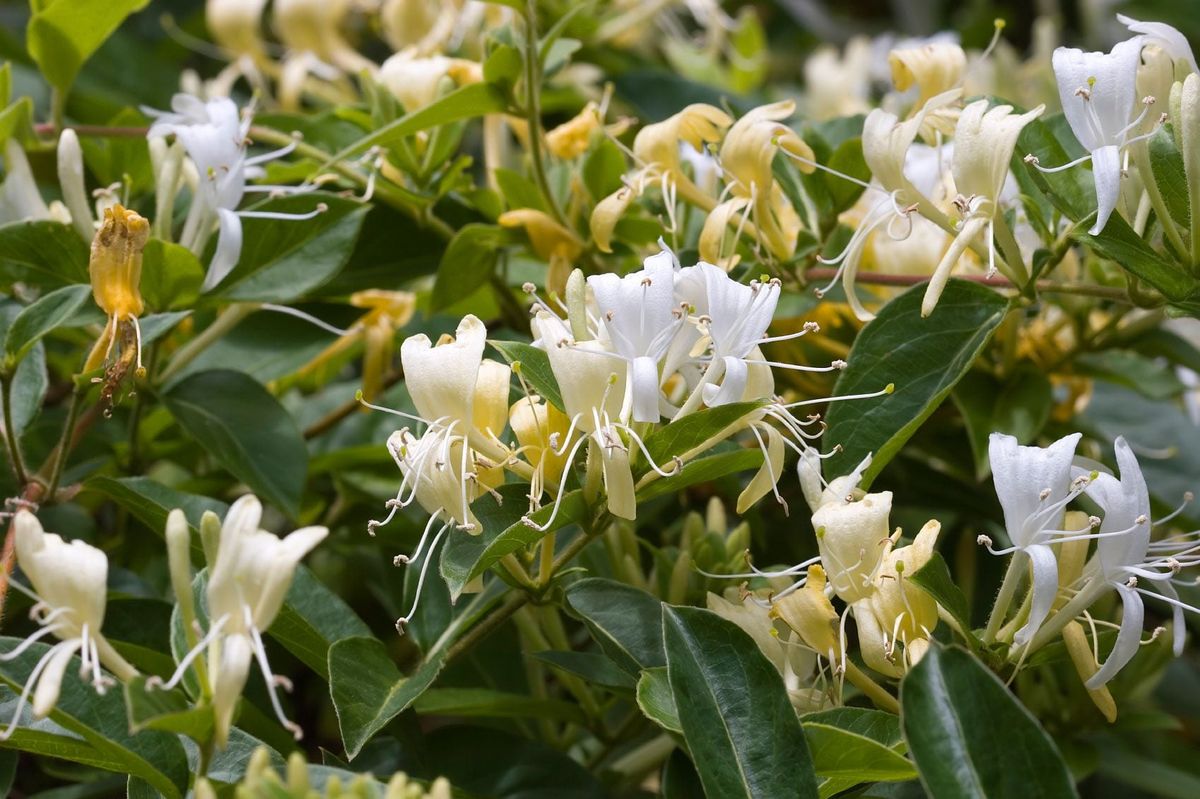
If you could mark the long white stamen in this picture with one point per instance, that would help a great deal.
(312, 320)
(33, 676)
(320, 209)
(28, 642)
(406, 618)
(561, 490)
(189, 658)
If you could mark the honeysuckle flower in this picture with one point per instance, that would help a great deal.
(1034, 486)
(386, 313)
(115, 268)
(70, 180)
(838, 86)
(934, 67)
(20, 199)
(983, 145)
(1098, 92)
(539, 426)
(247, 584)
(419, 26)
(572, 138)
(808, 611)
(747, 155)
(236, 27)
(852, 537)
(1165, 36)
(214, 135)
(310, 30)
(70, 584)
(607, 214)
(657, 144)
(898, 614)
(552, 242)
(640, 316)
(441, 379)
(417, 82)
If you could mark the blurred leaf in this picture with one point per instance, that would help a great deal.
(42, 254)
(169, 711)
(100, 721)
(741, 730)
(593, 667)
(655, 699)
(535, 368)
(246, 430)
(283, 260)
(121, 159)
(1118, 243)
(368, 690)
(922, 357)
(16, 119)
(847, 158)
(1020, 406)
(518, 191)
(468, 263)
(679, 778)
(970, 737)
(625, 621)
(486, 703)
(150, 501)
(39, 318)
(63, 34)
(171, 275)
(1149, 378)
(603, 168)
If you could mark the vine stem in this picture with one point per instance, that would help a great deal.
(1051, 287)
(533, 112)
(1008, 589)
(10, 437)
(488, 625)
(871, 689)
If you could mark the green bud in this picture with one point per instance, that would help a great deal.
(715, 516)
(297, 775)
(179, 561)
(210, 536)
(1189, 123)
(577, 305)
(693, 532)
(681, 573)
(738, 540)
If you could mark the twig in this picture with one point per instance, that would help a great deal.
(881, 279)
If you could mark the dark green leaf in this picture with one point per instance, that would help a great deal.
(1167, 164)
(625, 621)
(1020, 406)
(283, 260)
(738, 722)
(246, 430)
(487, 703)
(39, 318)
(29, 384)
(1118, 243)
(971, 738)
(703, 470)
(696, 429)
(171, 275)
(534, 368)
(100, 722)
(922, 357)
(43, 254)
(848, 159)
(169, 711)
(934, 578)
(313, 619)
(1050, 140)
(467, 264)
(655, 699)
(368, 690)
(150, 501)
(593, 667)
(603, 168)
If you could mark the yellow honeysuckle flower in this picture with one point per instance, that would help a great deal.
(811, 615)
(658, 145)
(115, 268)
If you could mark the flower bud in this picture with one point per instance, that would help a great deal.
(70, 180)
(179, 561)
(576, 297)
(607, 214)
(116, 262)
(1188, 122)
(1085, 665)
(811, 615)
(210, 536)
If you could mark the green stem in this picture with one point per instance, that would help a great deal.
(10, 436)
(871, 689)
(64, 443)
(1008, 589)
(488, 625)
(226, 320)
(1053, 627)
(533, 112)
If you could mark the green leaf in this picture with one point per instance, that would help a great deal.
(314, 618)
(840, 754)
(246, 430)
(934, 579)
(518, 191)
(169, 711)
(43, 254)
(1149, 378)
(17, 119)
(534, 367)
(468, 263)
(738, 722)
(171, 275)
(922, 357)
(703, 470)
(150, 502)
(603, 168)
(470, 101)
(971, 738)
(1020, 406)
(503, 65)
(29, 384)
(1051, 141)
(63, 34)
(593, 667)
(1118, 243)
(848, 159)
(100, 722)
(283, 260)
(368, 690)
(655, 699)
(1166, 162)
(625, 621)
(696, 429)
(487, 703)
(39, 318)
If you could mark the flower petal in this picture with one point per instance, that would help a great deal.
(1129, 637)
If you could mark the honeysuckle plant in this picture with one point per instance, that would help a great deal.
(676, 398)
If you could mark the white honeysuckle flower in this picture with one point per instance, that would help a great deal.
(71, 181)
(417, 82)
(70, 586)
(310, 30)
(852, 537)
(249, 577)
(838, 85)
(437, 471)
(441, 379)
(1125, 555)
(1034, 486)
(984, 140)
(1165, 36)
(20, 199)
(641, 317)
(214, 135)
(1098, 93)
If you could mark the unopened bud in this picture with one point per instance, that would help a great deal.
(70, 179)
(179, 562)
(210, 536)
(576, 295)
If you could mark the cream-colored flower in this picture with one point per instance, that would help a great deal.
(657, 145)
(852, 537)
(417, 82)
(810, 614)
(838, 86)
